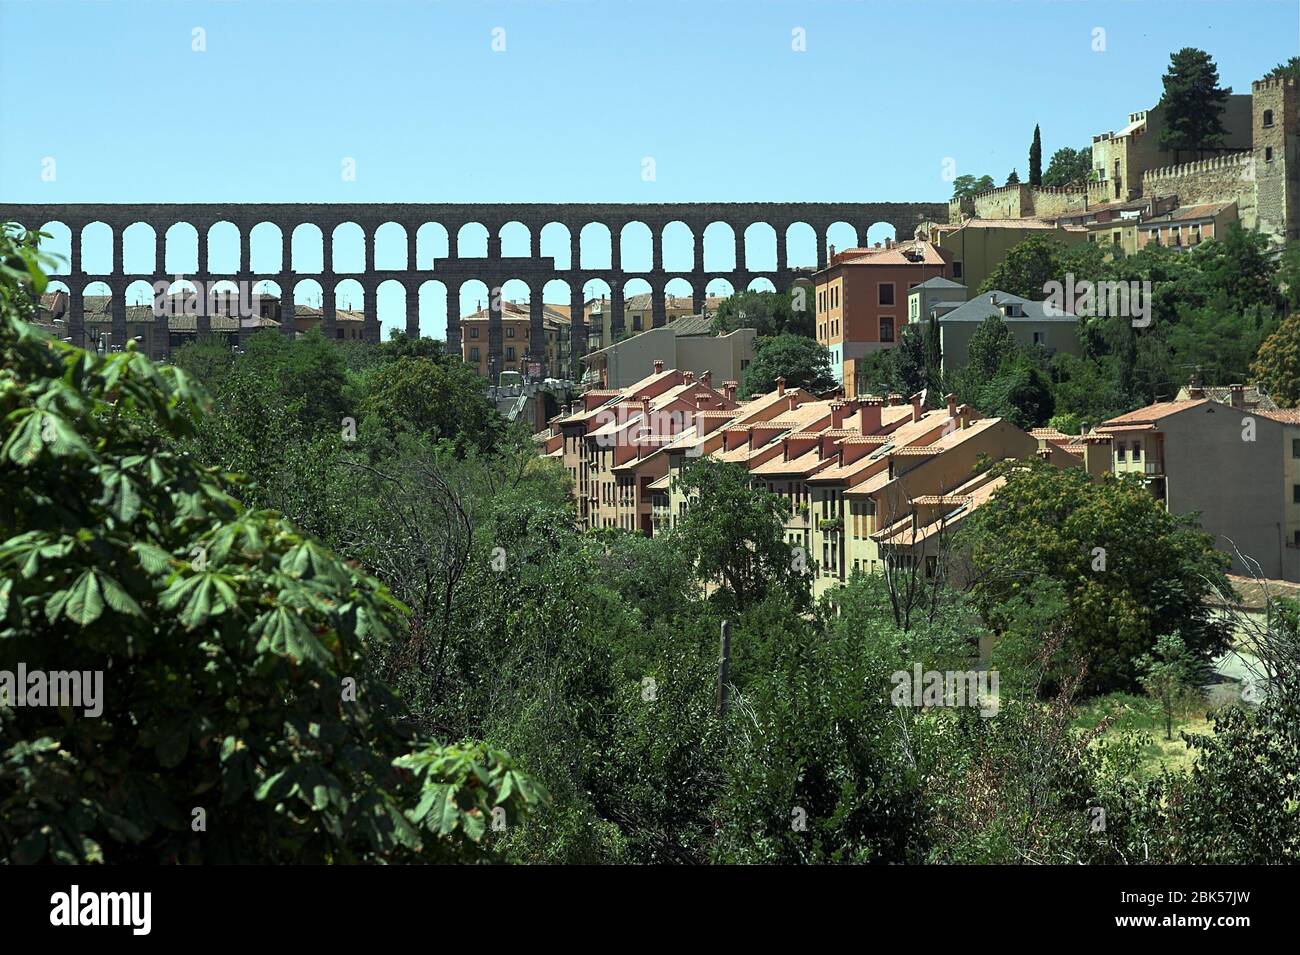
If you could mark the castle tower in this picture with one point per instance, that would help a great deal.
(1275, 118)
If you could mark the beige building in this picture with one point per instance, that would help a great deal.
(978, 246)
(638, 316)
(687, 344)
(1237, 467)
(1121, 158)
(515, 325)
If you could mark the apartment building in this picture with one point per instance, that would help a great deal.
(608, 443)
(862, 296)
(515, 325)
(1235, 466)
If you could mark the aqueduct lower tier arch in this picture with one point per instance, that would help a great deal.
(494, 270)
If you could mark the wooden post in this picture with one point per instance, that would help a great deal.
(724, 663)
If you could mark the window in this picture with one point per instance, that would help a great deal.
(1268, 117)
(510, 332)
(1295, 447)
(956, 270)
(886, 329)
(473, 331)
(1137, 450)
(1119, 452)
(1268, 154)
(1295, 493)
(1114, 237)
(886, 293)
(510, 353)
(473, 354)
(1040, 338)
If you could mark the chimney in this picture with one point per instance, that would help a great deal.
(706, 377)
(791, 401)
(838, 410)
(869, 416)
(645, 408)
(1194, 389)
(1044, 454)
(1238, 393)
(895, 400)
(780, 386)
(659, 366)
(952, 404)
(916, 407)
(729, 389)
(700, 400)
(688, 378)
(832, 253)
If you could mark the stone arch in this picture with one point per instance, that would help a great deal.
(879, 232)
(97, 249)
(138, 293)
(432, 310)
(348, 249)
(391, 250)
(473, 298)
(842, 235)
(431, 242)
(390, 305)
(225, 248)
(760, 248)
(555, 241)
(678, 244)
(307, 251)
(266, 249)
(678, 291)
(720, 248)
(57, 242)
(598, 301)
(638, 304)
(181, 249)
(516, 240)
(760, 283)
(800, 246)
(719, 287)
(596, 250)
(472, 241)
(636, 247)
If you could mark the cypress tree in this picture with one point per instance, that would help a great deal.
(1036, 159)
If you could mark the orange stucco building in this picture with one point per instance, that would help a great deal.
(862, 296)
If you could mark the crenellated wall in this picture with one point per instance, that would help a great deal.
(1228, 178)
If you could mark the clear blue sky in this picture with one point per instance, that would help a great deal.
(584, 91)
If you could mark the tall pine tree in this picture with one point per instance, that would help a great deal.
(1036, 159)
(1193, 103)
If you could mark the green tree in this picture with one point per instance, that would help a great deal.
(1169, 674)
(1027, 268)
(801, 361)
(1130, 570)
(1277, 366)
(1036, 159)
(1013, 178)
(968, 187)
(768, 313)
(1290, 69)
(1068, 167)
(733, 535)
(238, 719)
(1193, 103)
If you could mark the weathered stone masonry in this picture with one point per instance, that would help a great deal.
(453, 271)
